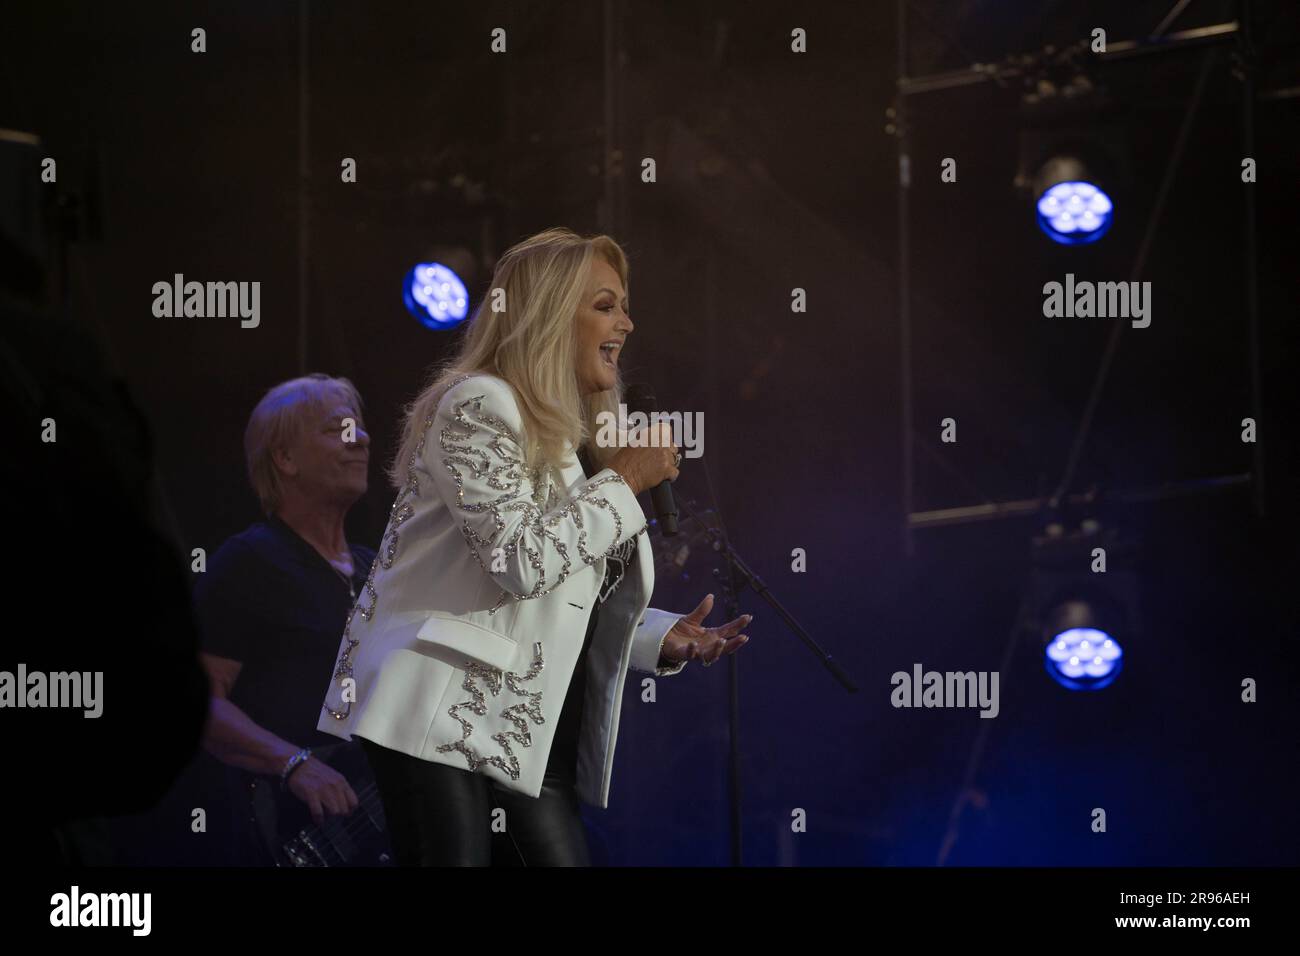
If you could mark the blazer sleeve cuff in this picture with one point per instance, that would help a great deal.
(623, 498)
(647, 643)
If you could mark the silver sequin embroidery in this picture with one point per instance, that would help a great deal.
(508, 477)
(398, 514)
(517, 714)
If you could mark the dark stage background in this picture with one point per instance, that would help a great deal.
(775, 171)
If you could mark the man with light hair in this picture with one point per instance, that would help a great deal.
(276, 596)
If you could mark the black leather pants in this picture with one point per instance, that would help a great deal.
(439, 815)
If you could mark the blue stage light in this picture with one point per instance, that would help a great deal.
(1083, 658)
(1075, 212)
(435, 295)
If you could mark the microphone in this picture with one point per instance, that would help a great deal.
(641, 398)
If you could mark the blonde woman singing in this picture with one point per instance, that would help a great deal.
(482, 666)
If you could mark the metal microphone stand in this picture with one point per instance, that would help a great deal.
(736, 577)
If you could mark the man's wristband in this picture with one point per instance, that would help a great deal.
(292, 764)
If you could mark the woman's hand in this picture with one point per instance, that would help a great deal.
(689, 640)
(644, 466)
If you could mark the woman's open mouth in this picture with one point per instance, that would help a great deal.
(609, 352)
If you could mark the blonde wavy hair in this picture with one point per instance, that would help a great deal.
(532, 345)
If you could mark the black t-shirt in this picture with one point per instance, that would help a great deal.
(271, 601)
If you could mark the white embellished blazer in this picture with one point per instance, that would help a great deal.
(463, 641)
